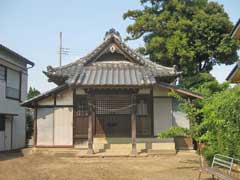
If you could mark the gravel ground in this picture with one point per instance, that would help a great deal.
(183, 166)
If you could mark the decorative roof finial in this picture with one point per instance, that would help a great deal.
(112, 32)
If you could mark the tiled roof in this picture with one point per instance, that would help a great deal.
(70, 73)
(115, 74)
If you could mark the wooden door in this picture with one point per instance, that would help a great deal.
(2, 132)
(81, 117)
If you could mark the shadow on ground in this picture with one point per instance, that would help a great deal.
(10, 155)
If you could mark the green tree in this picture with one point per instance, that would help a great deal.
(32, 92)
(192, 34)
(29, 115)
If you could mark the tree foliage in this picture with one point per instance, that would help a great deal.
(192, 34)
(221, 123)
(213, 119)
(32, 93)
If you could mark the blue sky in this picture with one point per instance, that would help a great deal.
(32, 28)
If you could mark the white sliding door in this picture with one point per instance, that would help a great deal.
(162, 109)
(63, 126)
(45, 126)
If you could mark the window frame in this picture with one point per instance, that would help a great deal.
(20, 84)
(5, 72)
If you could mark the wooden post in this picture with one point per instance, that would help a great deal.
(134, 127)
(90, 131)
(35, 127)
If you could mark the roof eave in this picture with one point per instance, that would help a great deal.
(235, 29)
(17, 55)
(233, 71)
(181, 91)
(32, 101)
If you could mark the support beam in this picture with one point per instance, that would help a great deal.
(90, 131)
(134, 128)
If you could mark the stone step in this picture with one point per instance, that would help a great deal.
(110, 151)
(105, 140)
(161, 152)
(163, 146)
(81, 143)
(142, 146)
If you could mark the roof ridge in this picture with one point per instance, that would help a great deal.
(84, 58)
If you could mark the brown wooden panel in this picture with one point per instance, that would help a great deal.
(81, 117)
(99, 126)
(144, 127)
(114, 125)
(81, 126)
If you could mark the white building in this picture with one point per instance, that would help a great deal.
(13, 90)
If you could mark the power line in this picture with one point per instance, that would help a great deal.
(66, 51)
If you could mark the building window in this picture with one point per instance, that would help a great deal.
(2, 123)
(13, 84)
(2, 73)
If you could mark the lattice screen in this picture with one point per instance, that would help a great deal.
(113, 104)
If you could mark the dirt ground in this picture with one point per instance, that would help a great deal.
(183, 166)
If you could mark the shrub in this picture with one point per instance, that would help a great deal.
(173, 132)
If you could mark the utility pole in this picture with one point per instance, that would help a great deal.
(60, 49)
